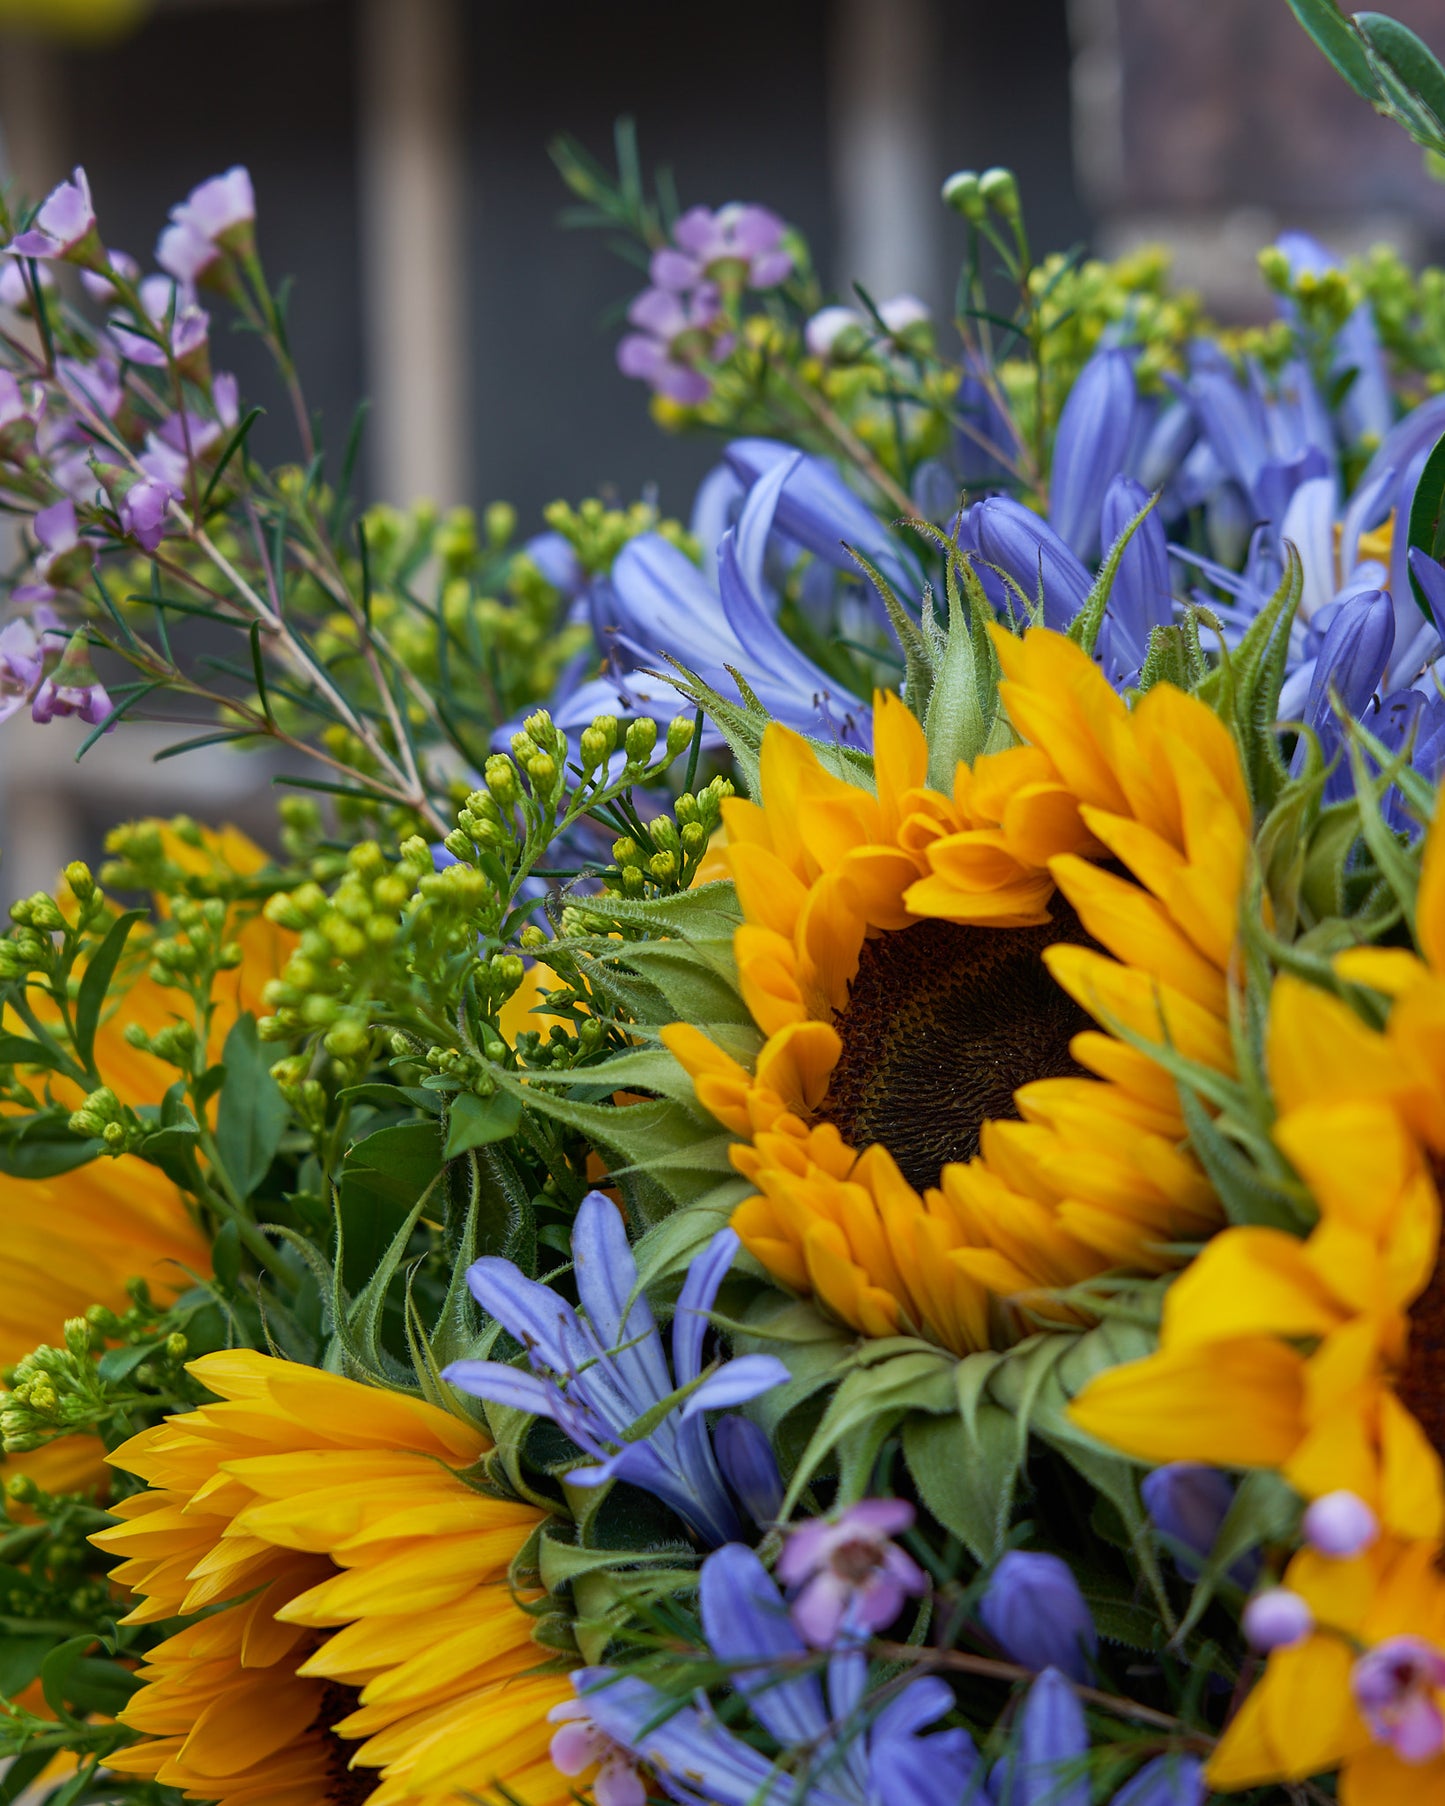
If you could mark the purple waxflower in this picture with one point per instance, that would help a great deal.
(580, 1744)
(61, 553)
(72, 688)
(186, 254)
(849, 1577)
(144, 508)
(22, 660)
(93, 384)
(222, 210)
(187, 335)
(738, 244)
(15, 285)
(1096, 428)
(835, 332)
(675, 333)
(596, 1375)
(1034, 1611)
(64, 227)
(1397, 1686)
(100, 285)
(1013, 541)
(1351, 662)
(17, 415)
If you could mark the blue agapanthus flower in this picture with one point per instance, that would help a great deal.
(837, 1744)
(596, 1375)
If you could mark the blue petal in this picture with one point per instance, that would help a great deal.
(531, 1313)
(1091, 445)
(735, 1382)
(503, 1385)
(745, 1620)
(747, 1460)
(1052, 1736)
(683, 1743)
(943, 1770)
(1027, 548)
(1141, 599)
(606, 1275)
(700, 1289)
(818, 509)
(1166, 1781)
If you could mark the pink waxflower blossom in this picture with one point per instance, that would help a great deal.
(221, 210)
(579, 1744)
(144, 508)
(189, 335)
(15, 285)
(850, 1578)
(1397, 1687)
(22, 660)
(64, 227)
(100, 284)
(675, 333)
(59, 538)
(95, 385)
(72, 688)
(226, 397)
(186, 253)
(714, 244)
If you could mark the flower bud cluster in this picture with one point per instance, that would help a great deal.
(200, 948)
(56, 1391)
(345, 951)
(667, 857)
(598, 533)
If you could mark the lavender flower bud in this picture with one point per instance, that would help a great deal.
(1034, 1611)
(1276, 1618)
(1340, 1524)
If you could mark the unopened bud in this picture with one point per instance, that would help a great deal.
(78, 877)
(961, 192)
(679, 734)
(641, 738)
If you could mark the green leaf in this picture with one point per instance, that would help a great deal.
(43, 1146)
(966, 1471)
(94, 985)
(1407, 75)
(116, 1363)
(252, 1115)
(1336, 37)
(1427, 518)
(407, 1155)
(865, 1409)
(21, 1659)
(474, 1122)
(20, 1050)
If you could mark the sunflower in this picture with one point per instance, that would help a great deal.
(934, 1131)
(1362, 1693)
(74, 1240)
(357, 1637)
(1324, 1357)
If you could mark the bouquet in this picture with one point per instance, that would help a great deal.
(810, 1173)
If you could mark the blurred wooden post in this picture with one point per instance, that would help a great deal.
(883, 66)
(413, 221)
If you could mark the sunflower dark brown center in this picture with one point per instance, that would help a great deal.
(943, 1023)
(345, 1786)
(1421, 1383)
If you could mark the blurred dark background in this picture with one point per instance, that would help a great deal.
(399, 149)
